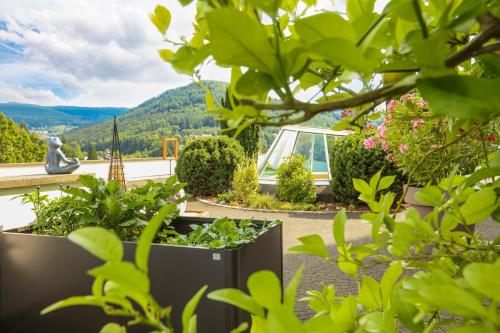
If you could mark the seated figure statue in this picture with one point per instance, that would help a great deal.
(55, 156)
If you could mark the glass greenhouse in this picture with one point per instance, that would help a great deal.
(309, 142)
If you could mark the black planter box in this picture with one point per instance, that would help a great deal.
(36, 271)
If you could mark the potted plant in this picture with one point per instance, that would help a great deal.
(409, 131)
(39, 265)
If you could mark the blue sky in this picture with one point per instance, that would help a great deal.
(91, 52)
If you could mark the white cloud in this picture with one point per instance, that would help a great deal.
(89, 52)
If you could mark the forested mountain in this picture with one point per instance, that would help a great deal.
(176, 112)
(17, 144)
(36, 116)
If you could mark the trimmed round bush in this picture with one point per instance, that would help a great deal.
(294, 183)
(349, 159)
(207, 164)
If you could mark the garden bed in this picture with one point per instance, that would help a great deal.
(327, 208)
(36, 271)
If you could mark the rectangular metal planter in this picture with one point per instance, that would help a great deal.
(36, 271)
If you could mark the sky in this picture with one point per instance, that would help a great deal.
(90, 52)
(87, 52)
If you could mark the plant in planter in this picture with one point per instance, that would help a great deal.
(187, 253)
(105, 204)
(410, 131)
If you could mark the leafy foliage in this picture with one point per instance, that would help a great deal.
(410, 130)
(293, 182)
(285, 47)
(222, 233)
(246, 180)
(102, 204)
(18, 145)
(349, 160)
(248, 137)
(207, 164)
(122, 288)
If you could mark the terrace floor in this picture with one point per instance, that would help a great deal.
(316, 271)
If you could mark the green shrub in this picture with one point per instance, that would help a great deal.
(294, 183)
(262, 201)
(207, 164)
(349, 160)
(246, 180)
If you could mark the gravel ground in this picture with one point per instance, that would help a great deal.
(316, 271)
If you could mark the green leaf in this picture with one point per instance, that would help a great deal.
(72, 301)
(282, 320)
(161, 18)
(358, 8)
(339, 227)
(265, 288)
(474, 328)
(186, 59)
(483, 277)
(102, 243)
(369, 294)
(240, 329)
(324, 25)
(389, 279)
(362, 187)
(237, 298)
(343, 52)
(430, 195)
(291, 289)
(461, 96)
(385, 182)
(189, 309)
(124, 274)
(113, 328)
(270, 7)
(148, 235)
(254, 83)
(237, 39)
(374, 181)
(312, 244)
(479, 205)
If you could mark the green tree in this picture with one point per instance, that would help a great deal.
(18, 145)
(249, 137)
(92, 153)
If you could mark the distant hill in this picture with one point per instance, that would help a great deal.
(176, 112)
(36, 116)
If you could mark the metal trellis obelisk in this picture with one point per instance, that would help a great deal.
(116, 166)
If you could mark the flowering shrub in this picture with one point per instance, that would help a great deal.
(410, 130)
(359, 156)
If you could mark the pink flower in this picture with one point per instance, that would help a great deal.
(407, 97)
(422, 104)
(417, 122)
(381, 131)
(385, 145)
(370, 142)
(491, 138)
(403, 149)
(345, 113)
(390, 106)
